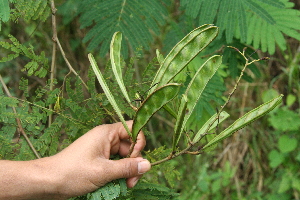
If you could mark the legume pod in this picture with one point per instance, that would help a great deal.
(179, 121)
(198, 83)
(245, 120)
(115, 56)
(183, 52)
(212, 122)
(107, 92)
(152, 104)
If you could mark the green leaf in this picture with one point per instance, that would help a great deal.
(285, 183)
(115, 48)
(287, 144)
(285, 120)
(245, 120)
(152, 104)
(4, 11)
(260, 11)
(275, 3)
(296, 183)
(109, 191)
(290, 99)
(275, 158)
(269, 94)
(242, 21)
(137, 20)
(183, 52)
(107, 92)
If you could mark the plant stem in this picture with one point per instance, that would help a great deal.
(174, 155)
(53, 62)
(56, 40)
(20, 128)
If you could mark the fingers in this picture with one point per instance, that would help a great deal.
(139, 146)
(130, 168)
(124, 140)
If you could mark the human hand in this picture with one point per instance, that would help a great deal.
(84, 166)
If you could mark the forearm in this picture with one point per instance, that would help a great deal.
(27, 180)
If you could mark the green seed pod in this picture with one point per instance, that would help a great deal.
(179, 121)
(183, 52)
(115, 58)
(198, 83)
(245, 120)
(107, 92)
(212, 122)
(152, 104)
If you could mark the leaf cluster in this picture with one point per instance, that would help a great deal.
(255, 22)
(135, 19)
(38, 64)
(27, 10)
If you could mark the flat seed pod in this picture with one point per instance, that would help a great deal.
(183, 52)
(213, 121)
(115, 56)
(198, 83)
(245, 120)
(107, 92)
(179, 121)
(152, 104)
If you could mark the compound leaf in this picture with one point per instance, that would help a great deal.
(135, 19)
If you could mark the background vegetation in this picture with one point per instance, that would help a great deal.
(43, 55)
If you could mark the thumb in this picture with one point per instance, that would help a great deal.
(128, 167)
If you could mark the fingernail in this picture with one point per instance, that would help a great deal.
(144, 166)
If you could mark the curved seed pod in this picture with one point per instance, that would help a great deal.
(212, 122)
(115, 55)
(179, 121)
(245, 120)
(183, 52)
(199, 82)
(152, 104)
(107, 92)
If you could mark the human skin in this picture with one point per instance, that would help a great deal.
(82, 167)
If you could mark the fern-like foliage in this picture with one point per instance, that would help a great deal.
(38, 64)
(255, 22)
(4, 11)
(135, 19)
(29, 10)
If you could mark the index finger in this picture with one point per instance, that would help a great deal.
(140, 142)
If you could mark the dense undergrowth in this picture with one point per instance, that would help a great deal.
(261, 162)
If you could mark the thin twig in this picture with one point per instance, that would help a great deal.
(56, 40)
(20, 128)
(173, 155)
(52, 71)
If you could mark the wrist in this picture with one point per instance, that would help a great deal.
(28, 180)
